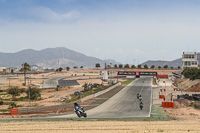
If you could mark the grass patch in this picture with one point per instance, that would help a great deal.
(160, 130)
(3, 94)
(6, 99)
(157, 113)
(126, 82)
(4, 110)
(23, 98)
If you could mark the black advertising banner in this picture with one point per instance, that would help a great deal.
(137, 73)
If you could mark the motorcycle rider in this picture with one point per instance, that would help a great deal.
(141, 105)
(140, 98)
(76, 106)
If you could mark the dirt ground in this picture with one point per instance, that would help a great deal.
(49, 96)
(100, 127)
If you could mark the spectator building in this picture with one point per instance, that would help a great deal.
(189, 59)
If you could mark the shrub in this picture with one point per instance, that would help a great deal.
(191, 73)
(34, 93)
(12, 105)
(14, 91)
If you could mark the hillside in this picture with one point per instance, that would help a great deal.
(174, 63)
(49, 58)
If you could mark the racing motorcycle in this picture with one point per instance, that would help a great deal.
(80, 112)
(141, 105)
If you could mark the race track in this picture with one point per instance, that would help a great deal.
(125, 103)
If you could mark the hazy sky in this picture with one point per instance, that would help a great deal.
(124, 30)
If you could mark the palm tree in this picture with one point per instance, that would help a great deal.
(25, 68)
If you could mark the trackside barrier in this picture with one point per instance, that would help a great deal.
(162, 76)
(14, 111)
(168, 104)
(161, 96)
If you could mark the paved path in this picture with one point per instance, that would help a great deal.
(125, 103)
(53, 82)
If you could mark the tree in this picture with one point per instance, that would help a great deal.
(25, 68)
(172, 67)
(133, 66)
(139, 66)
(115, 66)
(34, 93)
(57, 87)
(179, 67)
(59, 69)
(97, 65)
(75, 67)
(152, 66)
(85, 86)
(81, 67)
(120, 66)
(145, 66)
(67, 68)
(127, 66)
(14, 91)
(12, 105)
(191, 73)
(165, 66)
(159, 67)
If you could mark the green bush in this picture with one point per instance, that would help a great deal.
(23, 98)
(1, 102)
(12, 105)
(22, 90)
(191, 73)
(14, 91)
(34, 93)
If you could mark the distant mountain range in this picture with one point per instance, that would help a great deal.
(174, 63)
(51, 58)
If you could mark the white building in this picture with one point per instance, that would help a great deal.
(10, 70)
(189, 59)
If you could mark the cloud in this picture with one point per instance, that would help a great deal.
(48, 15)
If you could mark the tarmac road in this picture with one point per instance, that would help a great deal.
(125, 103)
(53, 82)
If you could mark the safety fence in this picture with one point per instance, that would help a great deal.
(161, 96)
(168, 104)
(14, 111)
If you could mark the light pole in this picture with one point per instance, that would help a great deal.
(29, 91)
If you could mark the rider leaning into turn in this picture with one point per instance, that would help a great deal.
(76, 105)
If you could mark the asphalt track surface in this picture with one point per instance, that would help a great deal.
(125, 103)
(53, 82)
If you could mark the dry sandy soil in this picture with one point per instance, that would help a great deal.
(100, 127)
(51, 96)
